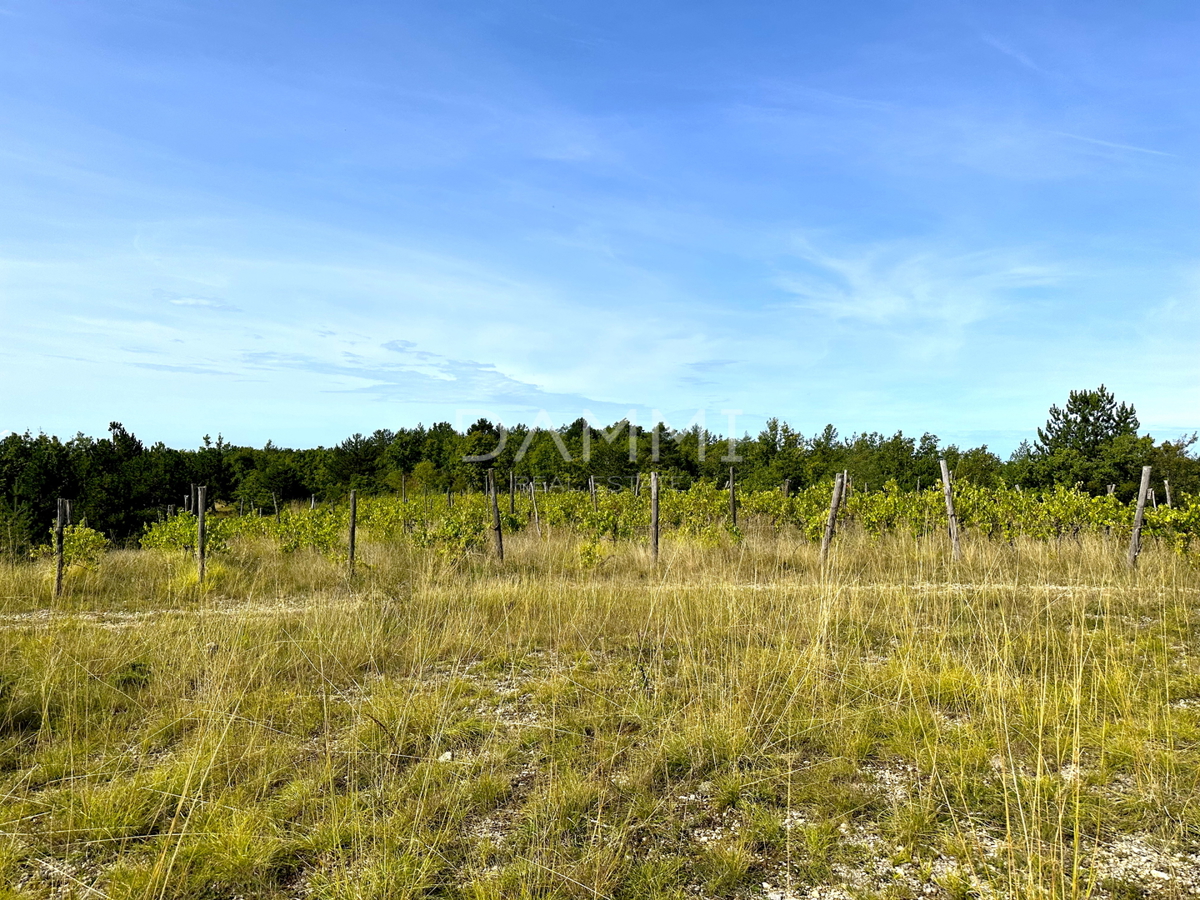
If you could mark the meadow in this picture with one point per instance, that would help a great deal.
(737, 720)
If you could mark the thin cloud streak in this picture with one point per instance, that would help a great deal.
(897, 285)
(1115, 146)
(1013, 53)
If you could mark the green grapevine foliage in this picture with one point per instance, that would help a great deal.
(81, 545)
(699, 514)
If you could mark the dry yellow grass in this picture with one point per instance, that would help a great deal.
(737, 722)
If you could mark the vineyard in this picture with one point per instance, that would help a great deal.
(739, 718)
(460, 523)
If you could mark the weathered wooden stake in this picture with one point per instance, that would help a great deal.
(353, 527)
(537, 522)
(201, 530)
(1153, 498)
(275, 502)
(847, 486)
(512, 493)
(449, 499)
(59, 524)
(1112, 489)
(951, 516)
(312, 501)
(654, 516)
(831, 523)
(1167, 491)
(496, 527)
(403, 488)
(787, 488)
(592, 491)
(1139, 516)
(732, 499)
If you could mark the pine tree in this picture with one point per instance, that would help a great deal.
(1090, 420)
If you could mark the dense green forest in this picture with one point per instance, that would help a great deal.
(118, 483)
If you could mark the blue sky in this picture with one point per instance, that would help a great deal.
(295, 221)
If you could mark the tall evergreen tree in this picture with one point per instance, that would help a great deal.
(1092, 442)
(1090, 420)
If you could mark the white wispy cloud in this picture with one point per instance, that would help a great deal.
(897, 284)
(201, 302)
(1011, 52)
(1113, 145)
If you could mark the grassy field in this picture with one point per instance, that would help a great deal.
(738, 722)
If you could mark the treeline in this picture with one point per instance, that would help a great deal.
(118, 484)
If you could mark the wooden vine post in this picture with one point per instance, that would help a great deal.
(654, 517)
(59, 524)
(537, 521)
(1139, 516)
(497, 531)
(512, 493)
(846, 487)
(732, 500)
(948, 493)
(831, 523)
(592, 491)
(201, 530)
(353, 527)
(1167, 491)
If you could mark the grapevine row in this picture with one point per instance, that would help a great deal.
(701, 513)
